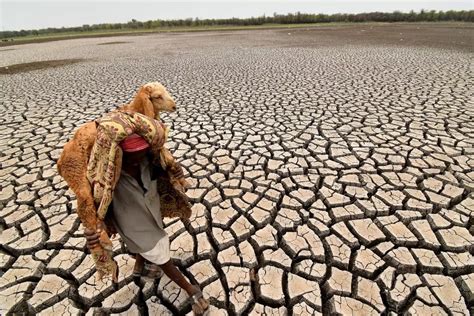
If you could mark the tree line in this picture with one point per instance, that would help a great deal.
(291, 18)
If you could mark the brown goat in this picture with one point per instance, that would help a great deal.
(150, 99)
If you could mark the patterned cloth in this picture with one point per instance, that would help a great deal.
(104, 165)
(91, 162)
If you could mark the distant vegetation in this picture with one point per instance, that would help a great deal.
(297, 18)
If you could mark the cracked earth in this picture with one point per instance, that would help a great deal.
(329, 176)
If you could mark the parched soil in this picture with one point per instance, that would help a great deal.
(456, 35)
(332, 171)
(460, 37)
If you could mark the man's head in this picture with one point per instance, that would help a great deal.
(134, 149)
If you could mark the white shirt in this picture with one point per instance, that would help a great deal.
(137, 212)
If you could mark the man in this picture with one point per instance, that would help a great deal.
(137, 219)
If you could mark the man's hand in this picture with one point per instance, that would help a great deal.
(177, 171)
(93, 238)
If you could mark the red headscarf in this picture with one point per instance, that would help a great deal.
(134, 143)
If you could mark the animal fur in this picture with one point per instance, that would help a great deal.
(150, 99)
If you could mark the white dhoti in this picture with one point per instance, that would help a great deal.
(160, 254)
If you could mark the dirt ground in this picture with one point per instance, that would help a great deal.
(443, 35)
(113, 43)
(24, 67)
(460, 37)
(331, 170)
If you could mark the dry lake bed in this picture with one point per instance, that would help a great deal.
(332, 170)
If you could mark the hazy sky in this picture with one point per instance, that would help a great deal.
(35, 14)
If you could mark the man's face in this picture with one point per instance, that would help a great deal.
(134, 158)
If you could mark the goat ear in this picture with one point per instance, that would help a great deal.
(143, 103)
(148, 108)
(148, 90)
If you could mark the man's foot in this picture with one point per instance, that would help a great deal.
(200, 305)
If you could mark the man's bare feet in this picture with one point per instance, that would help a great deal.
(200, 305)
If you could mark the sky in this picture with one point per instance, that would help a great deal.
(37, 14)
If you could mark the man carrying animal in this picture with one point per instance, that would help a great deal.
(125, 180)
(137, 216)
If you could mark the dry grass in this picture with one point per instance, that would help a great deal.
(113, 43)
(36, 65)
